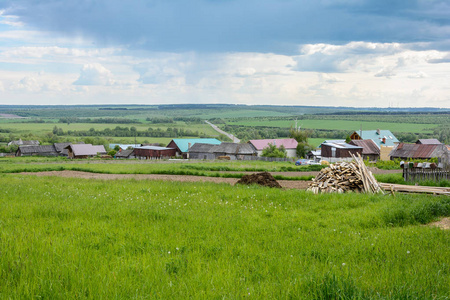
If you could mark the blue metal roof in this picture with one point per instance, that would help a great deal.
(378, 135)
(183, 144)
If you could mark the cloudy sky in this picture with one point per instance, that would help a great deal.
(381, 53)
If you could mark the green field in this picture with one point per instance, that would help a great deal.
(339, 125)
(121, 239)
(38, 128)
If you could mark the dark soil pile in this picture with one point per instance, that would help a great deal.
(264, 179)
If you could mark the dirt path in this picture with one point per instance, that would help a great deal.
(290, 184)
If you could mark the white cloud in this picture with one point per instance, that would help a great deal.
(27, 84)
(10, 20)
(418, 75)
(94, 74)
(387, 72)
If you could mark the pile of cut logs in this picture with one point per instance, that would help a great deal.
(345, 176)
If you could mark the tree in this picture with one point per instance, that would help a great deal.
(272, 151)
(302, 139)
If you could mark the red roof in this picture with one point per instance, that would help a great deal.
(261, 144)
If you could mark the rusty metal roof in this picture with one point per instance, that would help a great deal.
(420, 151)
(369, 146)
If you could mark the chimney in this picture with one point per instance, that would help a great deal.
(378, 131)
(384, 140)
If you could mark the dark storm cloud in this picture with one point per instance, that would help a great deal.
(230, 25)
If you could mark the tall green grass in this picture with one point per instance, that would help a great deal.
(95, 239)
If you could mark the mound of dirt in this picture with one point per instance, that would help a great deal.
(264, 179)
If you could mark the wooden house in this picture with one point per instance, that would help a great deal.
(154, 152)
(370, 149)
(333, 151)
(85, 150)
(41, 150)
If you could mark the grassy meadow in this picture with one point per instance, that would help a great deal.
(122, 239)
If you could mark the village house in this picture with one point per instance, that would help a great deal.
(125, 154)
(182, 146)
(380, 137)
(418, 151)
(428, 141)
(314, 155)
(85, 150)
(370, 149)
(334, 151)
(232, 151)
(40, 150)
(154, 152)
(289, 144)
(201, 151)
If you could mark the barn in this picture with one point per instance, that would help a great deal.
(41, 150)
(370, 149)
(334, 151)
(154, 152)
(182, 146)
(84, 150)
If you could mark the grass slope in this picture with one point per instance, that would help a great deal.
(88, 239)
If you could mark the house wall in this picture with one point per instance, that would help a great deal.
(178, 152)
(201, 155)
(149, 153)
(340, 153)
(384, 152)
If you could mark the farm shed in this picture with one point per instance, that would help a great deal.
(418, 151)
(233, 150)
(314, 155)
(61, 148)
(24, 143)
(428, 141)
(125, 154)
(182, 145)
(289, 144)
(154, 152)
(380, 137)
(84, 150)
(342, 151)
(370, 149)
(45, 150)
(201, 151)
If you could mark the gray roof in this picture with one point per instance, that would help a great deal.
(234, 148)
(428, 142)
(38, 149)
(124, 153)
(200, 148)
(87, 149)
(60, 146)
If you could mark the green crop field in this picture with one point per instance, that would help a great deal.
(37, 128)
(339, 124)
(122, 239)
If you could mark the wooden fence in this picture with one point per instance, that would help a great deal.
(421, 174)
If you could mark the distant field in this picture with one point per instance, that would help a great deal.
(39, 128)
(315, 142)
(339, 124)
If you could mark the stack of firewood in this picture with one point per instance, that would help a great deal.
(345, 176)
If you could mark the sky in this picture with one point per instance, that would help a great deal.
(361, 53)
